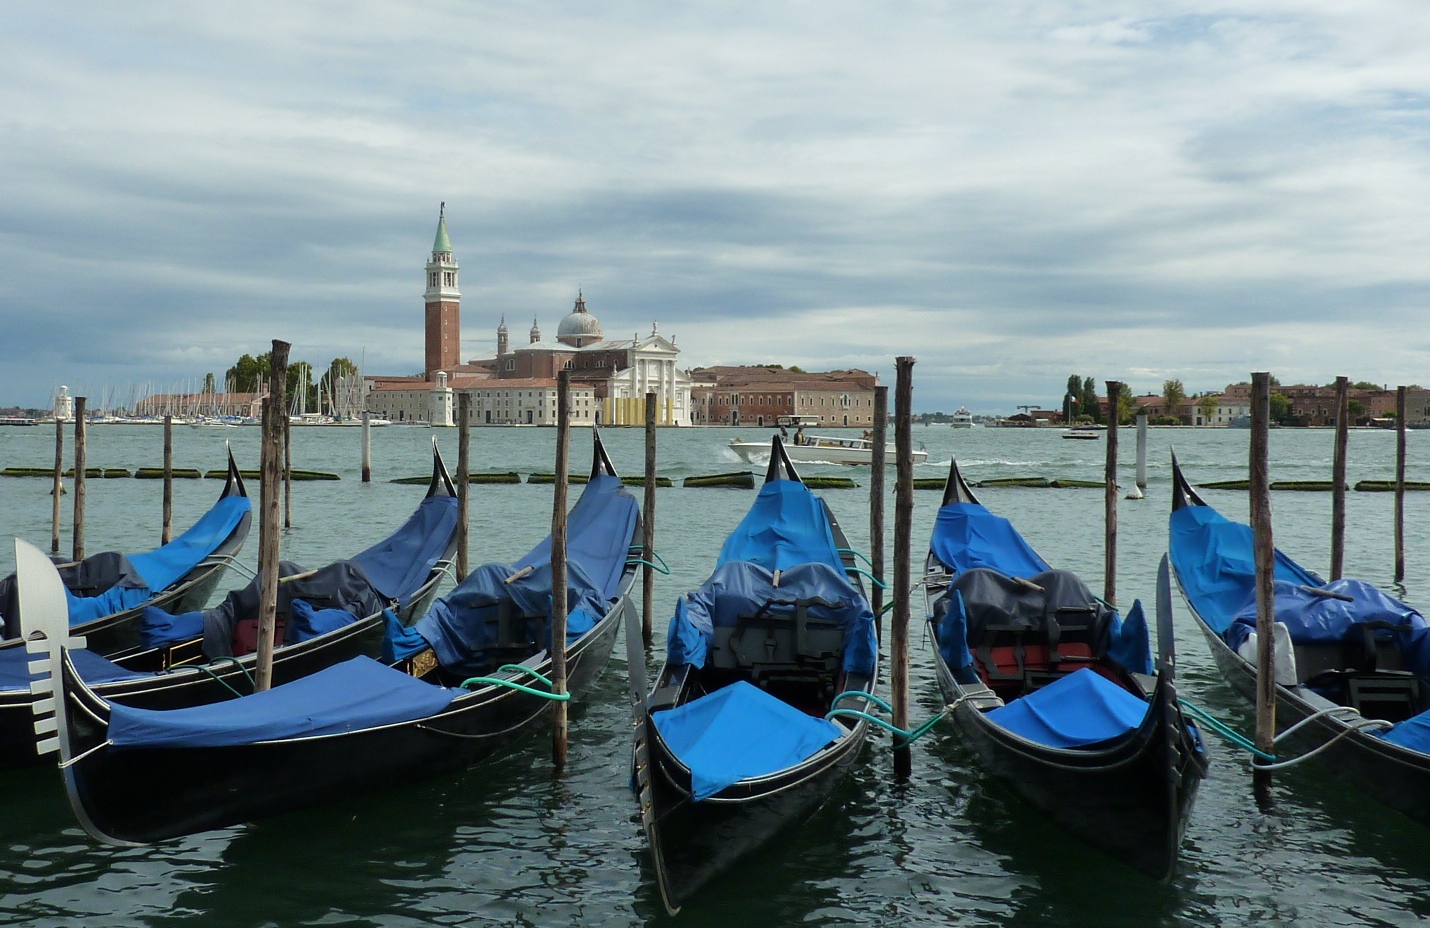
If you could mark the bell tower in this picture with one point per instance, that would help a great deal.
(444, 304)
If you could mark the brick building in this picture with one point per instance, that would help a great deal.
(760, 395)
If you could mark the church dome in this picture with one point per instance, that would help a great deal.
(579, 327)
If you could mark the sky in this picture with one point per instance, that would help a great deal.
(1009, 191)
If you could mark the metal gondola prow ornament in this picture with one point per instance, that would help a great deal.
(44, 624)
(600, 460)
(1166, 645)
(779, 459)
(233, 484)
(441, 484)
(956, 489)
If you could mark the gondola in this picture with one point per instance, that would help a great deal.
(325, 616)
(463, 679)
(1355, 680)
(1054, 691)
(109, 591)
(733, 743)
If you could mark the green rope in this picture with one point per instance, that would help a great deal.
(906, 738)
(1225, 731)
(662, 567)
(872, 579)
(513, 685)
(860, 694)
(230, 659)
(887, 606)
(860, 555)
(219, 680)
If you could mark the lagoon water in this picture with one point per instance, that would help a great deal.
(509, 843)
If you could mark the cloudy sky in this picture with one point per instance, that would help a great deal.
(1010, 191)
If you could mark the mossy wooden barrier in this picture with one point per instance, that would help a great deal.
(1294, 486)
(1388, 486)
(508, 477)
(829, 483)
(1061, 484)
(551, 478)
(1226, 485)
(297, 475)
(744, 480)
(102, 473)
(639, 481)
(157, 473)
(29, 472)
(1036, 482)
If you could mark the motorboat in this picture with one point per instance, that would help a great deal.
(962, 418)
(821, 449)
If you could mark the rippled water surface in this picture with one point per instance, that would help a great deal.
(510, 843)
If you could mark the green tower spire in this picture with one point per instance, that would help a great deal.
(442, 243)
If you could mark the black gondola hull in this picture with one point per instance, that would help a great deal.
(699, 841)
(1130, 801)
(146, 795)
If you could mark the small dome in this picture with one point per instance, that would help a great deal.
(579, 327)
(535, 331)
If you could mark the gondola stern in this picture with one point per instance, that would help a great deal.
(1182, 493)
(233, 484)
(600, 461)
(779, 461)
(441, 484)
(955, 488)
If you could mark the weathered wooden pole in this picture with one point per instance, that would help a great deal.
(558, 567)
(275, 411)
(58, 489)
(287, 467)
(1109, 554)
(1338, 477)
(366, 447)
(166, 532)
(903, 530)
(464, 477)
(648, 523)
(1142, 451)
(80, 465)
(1265, 555)
(1399, 484)
(877, 483)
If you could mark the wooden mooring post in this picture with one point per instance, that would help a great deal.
(1399, 484)
(1109, 553)
(464, 477)
(287, 467)
(903, 531)
(166, 531)
(648, 526)
(558, 568)
(275, 411)
(1142, 452)
(80, 464)
(877, 483)
(1338, 477)
(1265, 556)
(58, 489)
(366, 446)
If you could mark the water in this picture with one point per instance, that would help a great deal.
(510, 844)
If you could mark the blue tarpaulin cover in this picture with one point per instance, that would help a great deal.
(356, 694)
(398, 566)
(598, 544)
(305, 622)
(1413, 733)
(164, 566)
(740, 731)
(787, 525)
(967, 535)
(1130, 643)
(1081, 709)
(15, 671)
(158, 628)
(741, 588)
(1313, 619)
(1215, 566)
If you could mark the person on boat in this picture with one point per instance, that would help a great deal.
(799, 435)
(784, 432)
(868, 434)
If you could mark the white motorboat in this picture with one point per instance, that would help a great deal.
(821, 449)
(1086, 432)
(962, 418)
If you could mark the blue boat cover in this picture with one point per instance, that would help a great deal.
(1413, 733)
(741, 588)
(1313, 619)
(305, 622)
(739, 731)
(399, 565)
(1215, 566)
(466, 620)
(1081, 709)
(158, 628)
(15, 671)
(967, 535)
(356, 694)
(164, 566)
(1131, 642)
(786, 526)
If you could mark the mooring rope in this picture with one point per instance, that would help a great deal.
(904, 738)
(1264, 761)
(512, 684)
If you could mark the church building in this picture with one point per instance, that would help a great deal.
(609, 379)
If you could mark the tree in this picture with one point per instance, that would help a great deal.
(1356, 409)
(1075, 391)
(1208, 405)
(1280, 408)
(1364, 385)
(249, 374)
(1273, 381)
(1126, 408)
(209, 383)
(300, 377)
(1087, 405)
(1174, 394)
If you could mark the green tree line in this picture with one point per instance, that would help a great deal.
(249, 374)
